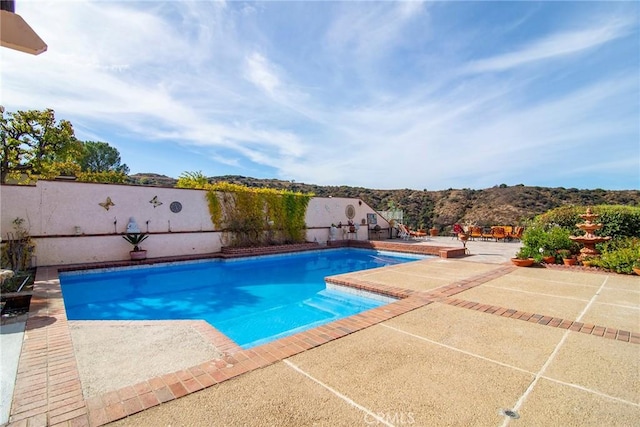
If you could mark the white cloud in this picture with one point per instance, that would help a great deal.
(136, 83)
(260, 73)
(556, 45)
(477, 141)
(369, 32)
(342, 104)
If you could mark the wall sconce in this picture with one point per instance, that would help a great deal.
(16, 33)
(77, 230)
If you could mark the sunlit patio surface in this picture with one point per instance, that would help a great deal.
(476, 341)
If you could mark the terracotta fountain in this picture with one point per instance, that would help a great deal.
(589, 240)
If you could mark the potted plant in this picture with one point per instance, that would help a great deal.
(433, 231)
(567, 257)
(135, 239)
(16, 274)
(523, 258)
(636, 267)
(547, 256)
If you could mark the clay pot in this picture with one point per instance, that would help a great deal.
(636, 270)
(569, 261)
(138, 255)
(522, 262)
(433, 232)
(549, 259)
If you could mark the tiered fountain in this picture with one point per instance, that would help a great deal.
(589, 240)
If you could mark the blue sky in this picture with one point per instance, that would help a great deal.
(422, 95)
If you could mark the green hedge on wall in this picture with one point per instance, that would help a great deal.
(617, 220)
(252, 216)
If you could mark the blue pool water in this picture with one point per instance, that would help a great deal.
(252, 301)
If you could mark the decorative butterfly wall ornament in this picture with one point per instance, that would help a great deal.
(155, 202)
(107, 204)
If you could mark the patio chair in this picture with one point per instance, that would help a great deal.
(457, 229)
(516, 234)
(476, 232)
(487, 233)
(498, 233)
(420, 234)
(403, 232)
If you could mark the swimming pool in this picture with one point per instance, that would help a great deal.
(251, 300)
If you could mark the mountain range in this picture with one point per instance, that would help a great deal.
(498, 205)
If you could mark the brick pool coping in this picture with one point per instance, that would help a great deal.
(227, 253)
(48, 389)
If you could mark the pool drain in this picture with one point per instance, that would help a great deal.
(511, 414)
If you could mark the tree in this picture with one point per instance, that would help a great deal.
(101, 157)
(32, 141)
(35, 146)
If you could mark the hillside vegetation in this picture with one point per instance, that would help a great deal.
(423, 209)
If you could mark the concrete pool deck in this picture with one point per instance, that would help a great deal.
(472, 339)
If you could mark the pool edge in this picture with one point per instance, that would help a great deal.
(48, 329)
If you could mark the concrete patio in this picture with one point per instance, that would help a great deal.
(475, 341)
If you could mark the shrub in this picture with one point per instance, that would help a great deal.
(558, 238)
(564, 216)
(19, 248)
(526, 252)
(535, 237)
(617, 220)
(619, 255)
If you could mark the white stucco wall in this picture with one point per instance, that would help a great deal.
(70, 226)
(56, 208)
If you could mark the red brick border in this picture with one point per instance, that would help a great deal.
(120, 403)
(265, 250)
(441, 251)
(48, 389)
(554, 322)
(226, 253)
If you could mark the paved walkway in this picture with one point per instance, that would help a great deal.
(470, 343)
(11, 336)
(483, 251)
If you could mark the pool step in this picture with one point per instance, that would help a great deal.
(334, 302)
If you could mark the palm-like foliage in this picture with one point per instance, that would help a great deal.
(135, 239)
